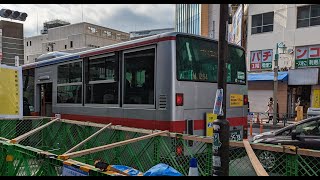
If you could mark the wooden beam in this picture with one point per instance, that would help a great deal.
(3, 139)
(23, 136)
(143, 131)
(268, 147)
(236, 144)
(108, 146)
(308, 152)
(86, 140)
(254, 160)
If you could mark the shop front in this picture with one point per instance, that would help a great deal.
(260, 89)
(303, 89)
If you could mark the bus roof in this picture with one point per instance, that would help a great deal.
(113, 47)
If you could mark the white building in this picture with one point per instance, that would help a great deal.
(71, 38)
(297, 26)
(148, 32)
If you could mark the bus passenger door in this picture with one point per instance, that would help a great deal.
(46, 99)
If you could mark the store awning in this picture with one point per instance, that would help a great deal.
(306, 76)
(267, 76)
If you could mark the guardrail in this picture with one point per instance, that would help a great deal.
(261, 117)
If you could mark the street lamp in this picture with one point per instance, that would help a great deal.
(283, 48)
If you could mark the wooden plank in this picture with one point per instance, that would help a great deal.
(87, 139)
(144, 131)
(308, 152)
(267, 147)
(4, 139)
(236, 144)
(23, 136)
(109, 146)
(254, 160)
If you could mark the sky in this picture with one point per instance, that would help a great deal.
(123, 17)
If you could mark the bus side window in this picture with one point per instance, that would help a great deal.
(139, 77)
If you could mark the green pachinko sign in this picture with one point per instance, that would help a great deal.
(307, 56)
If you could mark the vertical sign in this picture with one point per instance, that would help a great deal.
(16, 60)
(237, 19)
(255, 60)
(316, 98)
(11, 92)
(217, 109)
(210, 117)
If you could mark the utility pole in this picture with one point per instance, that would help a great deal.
(275, 86)
(275, 80)
(221, 132)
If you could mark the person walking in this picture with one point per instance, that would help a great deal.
(270, 109)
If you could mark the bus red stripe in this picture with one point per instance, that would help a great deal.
(172, 126)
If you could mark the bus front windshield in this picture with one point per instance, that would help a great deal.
(197, 60)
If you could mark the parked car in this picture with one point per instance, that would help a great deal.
(304, 134)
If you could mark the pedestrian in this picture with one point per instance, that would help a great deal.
(270, 109)
(26, 108)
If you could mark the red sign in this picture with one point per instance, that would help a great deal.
(314, 52)
(255, 60)
(267, 55)
(302, 53)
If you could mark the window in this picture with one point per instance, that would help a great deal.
(30, 43)
(65, 46)
(139, 77)
(27, 43)
(103, 84)
(70, 83)
(71, 44)
(28, 86)
(197, 60)
(27, 59)
(308, 16)
(262, 23)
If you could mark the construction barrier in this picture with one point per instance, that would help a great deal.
(34, 147)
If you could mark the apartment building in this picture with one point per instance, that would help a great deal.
(11, 42)
(297, 27)
(70, 38)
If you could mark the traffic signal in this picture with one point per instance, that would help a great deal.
(5, 13)
(15, 15)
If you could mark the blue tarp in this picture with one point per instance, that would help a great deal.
(267, 76)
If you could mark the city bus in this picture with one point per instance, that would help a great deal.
(166, 82)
